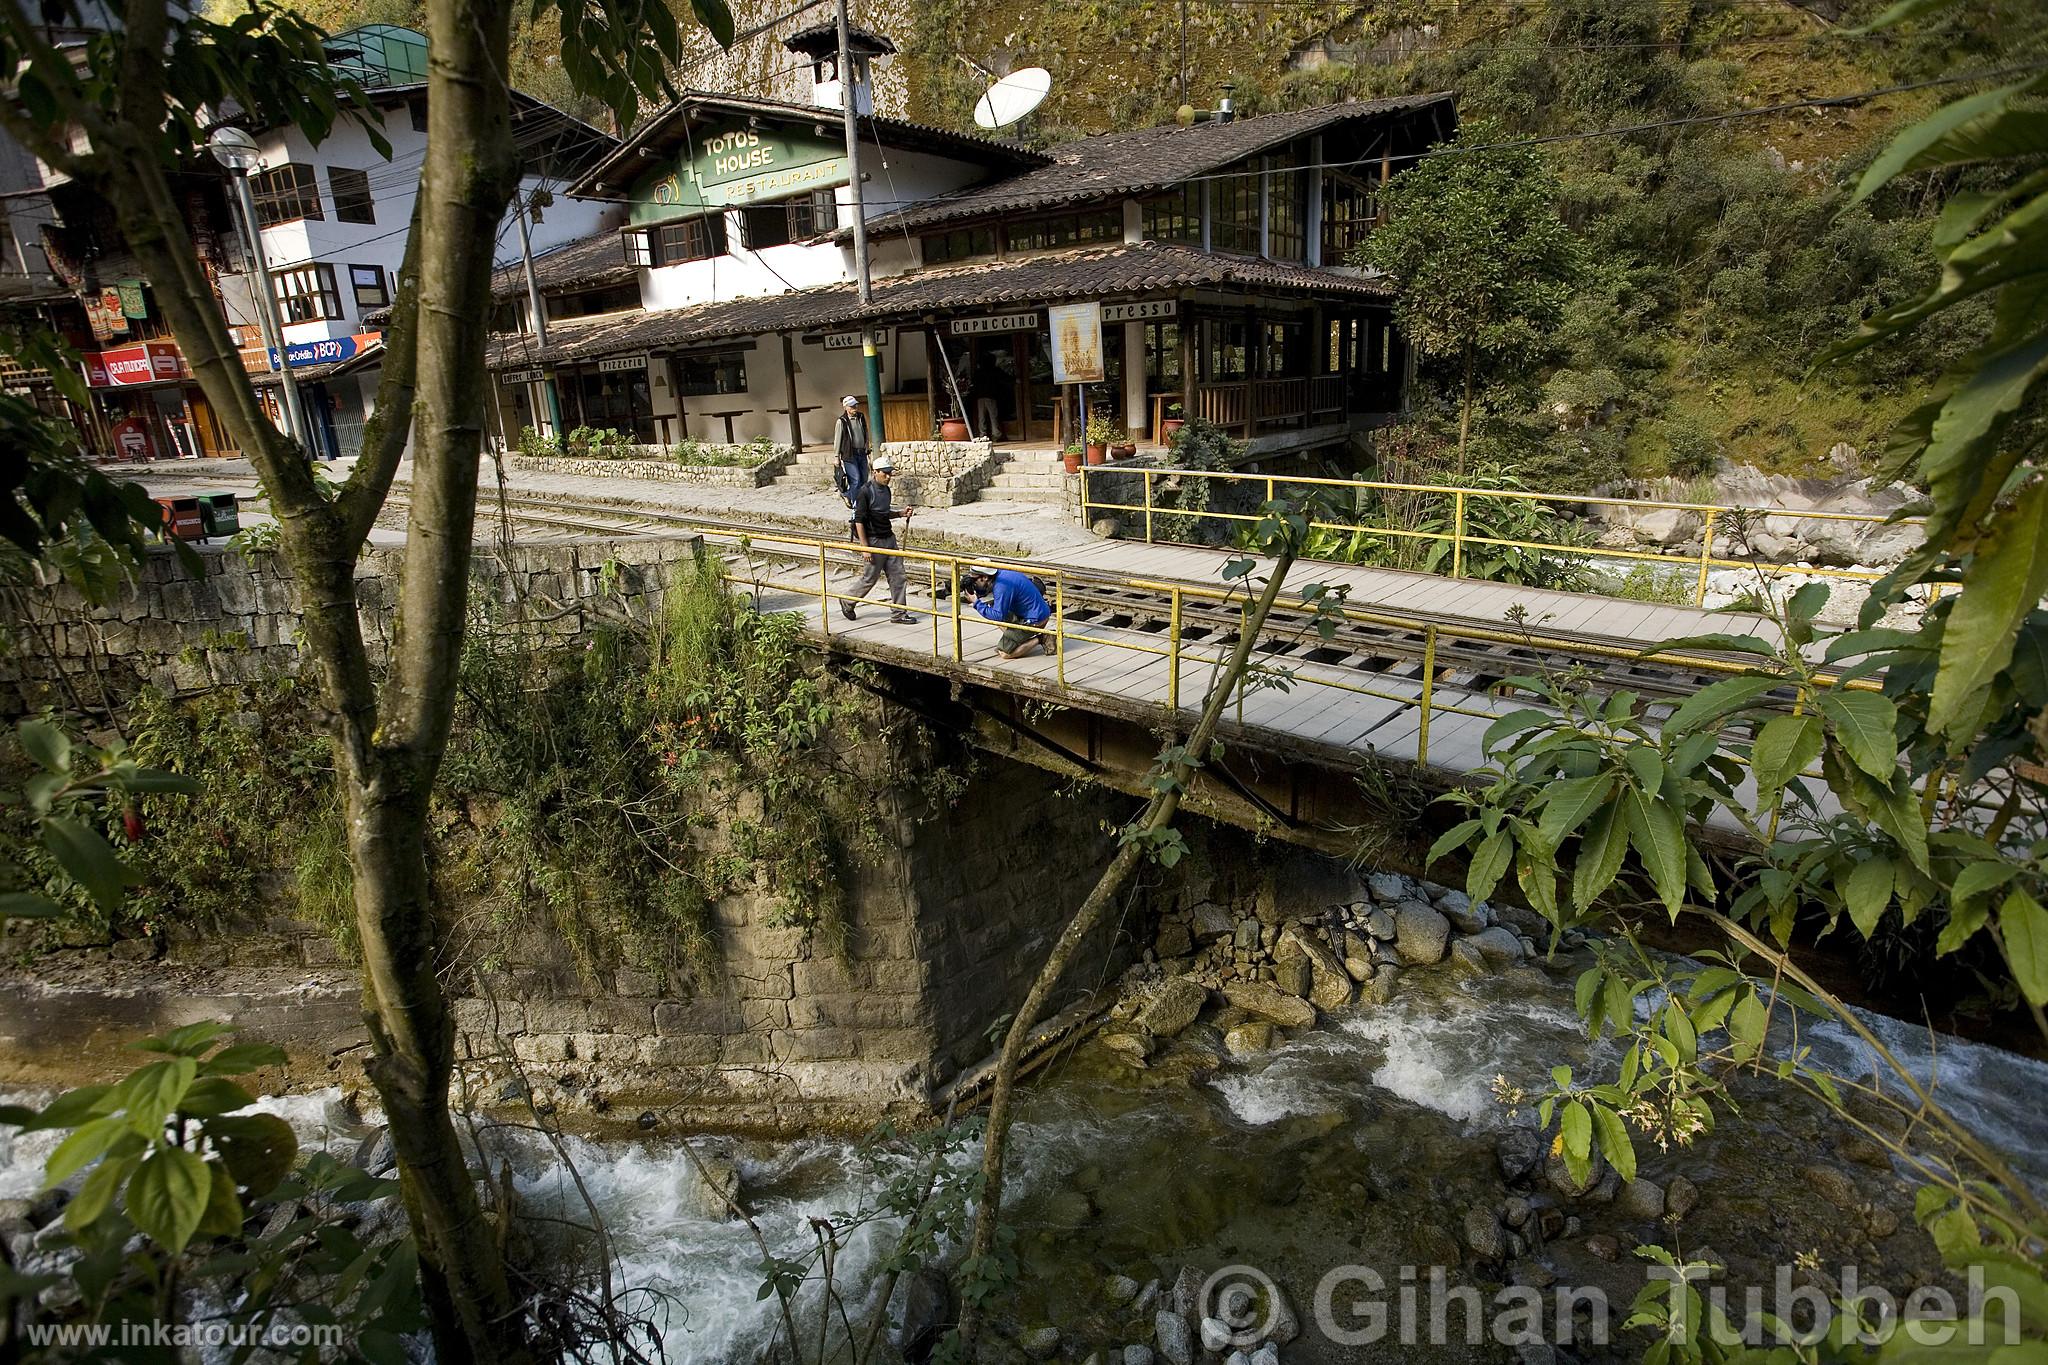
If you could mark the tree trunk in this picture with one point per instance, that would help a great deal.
(389, 744)
(1156, 816)
(1465, 416)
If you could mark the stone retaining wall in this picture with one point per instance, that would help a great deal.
(238, 621)
(657, 464)
(941, 473)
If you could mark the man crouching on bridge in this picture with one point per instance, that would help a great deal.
(1008, 598)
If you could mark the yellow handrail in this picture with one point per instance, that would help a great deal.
(1460, 536)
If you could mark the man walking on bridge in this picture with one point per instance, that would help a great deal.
(1008, 598)
(874, 527)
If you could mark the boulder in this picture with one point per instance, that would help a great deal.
(1607, 1248)
(1246, 1039)
(1499, 945)
(1121, 1289)
(1245, 937)
(926, 1314)
(1484, 1234)
(1137, 1355)
(1519, 1152)
(1421, 935)
(1464, 916)
(1285, 1010)
(1357, 955)
(1291, 973)
(1466, 958)
(1380, 989)
(1681, 1197)
(1216, 1334)
(1390, 886)
(1185, 1298)
(1171, 1006)
(1330, 987)
(1284, 1324)
(1135, 1048)
(1641, 1199)
(1212, 921)
(1268, 1354)
(1833, 1186)
(1174, 940)
(1380, 924)
(1516, 1212)
(1176, 1343)
(1040, 1343)
(1560, 1176)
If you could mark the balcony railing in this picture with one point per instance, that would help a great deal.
(1250, 407)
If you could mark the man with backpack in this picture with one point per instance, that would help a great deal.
(850, 454)
(874, 527)
(1008, 598)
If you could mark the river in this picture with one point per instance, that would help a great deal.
(1361, 1144)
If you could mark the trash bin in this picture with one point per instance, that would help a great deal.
(218, 514)
(181, 519)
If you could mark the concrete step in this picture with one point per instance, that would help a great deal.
(992, 493)
(1007, 479)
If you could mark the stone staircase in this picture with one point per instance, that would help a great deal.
(1026, 476)
(810, 469)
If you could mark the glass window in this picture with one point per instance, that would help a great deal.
(693, 239)
(1281, 356)
(1162, 357)
(617, 399)
(1066, 229)
(1175, 216)
(1234, 204)
(959, 245)
(368, 284)
(351, 191)
(308, 294)
(707, 373)
(590, 302)
(1350, 210)
(1226, 350)
(286, 193)
(764, 225)
(813, 215)
(1286, 228)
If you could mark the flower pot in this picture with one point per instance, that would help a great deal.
(1123, 450)
(953, 429)
(1098, 451)
(1168, 426)
(1072, 460)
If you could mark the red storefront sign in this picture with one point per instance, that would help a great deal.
(146, 362)
(133, 440)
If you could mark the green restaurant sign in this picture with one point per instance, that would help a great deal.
(740, 166)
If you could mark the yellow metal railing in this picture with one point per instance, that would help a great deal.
(1715, 519)
(819, 558)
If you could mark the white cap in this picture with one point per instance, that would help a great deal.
(982, 570)
(849, 402)
(884, 464)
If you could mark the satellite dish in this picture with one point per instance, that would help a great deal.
(1012, 97)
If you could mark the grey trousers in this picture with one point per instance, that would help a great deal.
(891, 565)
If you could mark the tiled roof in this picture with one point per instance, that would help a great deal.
(626, 164)
(1100, 272)
(1141, 160)
(586, 263)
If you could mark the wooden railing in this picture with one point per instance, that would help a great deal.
(1227, 405)
(1325, 398)
(1249, 406)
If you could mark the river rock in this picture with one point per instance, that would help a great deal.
(1041, 1343)
(1380, 989)
(1212, 921)
(1864, 1151)
(1464, 916)
(1176, 1342)
(1515, 1212)
(1421, 935)
(1603, 1245)
(1285, 1010)
(1137, 1355)
(1680, 1197)
(1560, 1176)
(1380, 924)
(1121, 1289)
(1484, 1234)
(1135, 1048)
(1147, 1297)
(1464, 957)
(1500, 945)
(927, 1312)
(1881, 1223)
(1248, 1039)
(1641, 1199)
(1330, 987)
(1390, 886)
(1185, 1298)
(1216, 1334)
(1833, 1186)
(1245, 938)
(1357, 955)
(1174, 940)
(1291, 973)
(1268, 1354)
(1171, 1006)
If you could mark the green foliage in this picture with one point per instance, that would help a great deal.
(534, 445)
(599, 443)
(176, 1211)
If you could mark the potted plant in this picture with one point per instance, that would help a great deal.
(1100, 433)
(952, 427)
(1175, 419)
(1123, 447)
(1071, 457)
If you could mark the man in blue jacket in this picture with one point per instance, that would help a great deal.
(1009, 598)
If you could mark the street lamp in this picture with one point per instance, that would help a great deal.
(237, 153)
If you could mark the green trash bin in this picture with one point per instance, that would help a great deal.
(218, 514)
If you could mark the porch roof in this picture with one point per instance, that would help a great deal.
(585, 263)
(1103, 272)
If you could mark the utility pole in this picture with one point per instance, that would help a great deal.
(540, 317)
(869, 356)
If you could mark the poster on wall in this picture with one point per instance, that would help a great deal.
(1076, 342)
(132, 439)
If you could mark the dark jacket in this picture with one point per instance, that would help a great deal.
(850, 468)
(871, 509)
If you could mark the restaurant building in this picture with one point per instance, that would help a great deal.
(1206, 263)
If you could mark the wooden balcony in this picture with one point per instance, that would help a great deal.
(1251, 407)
